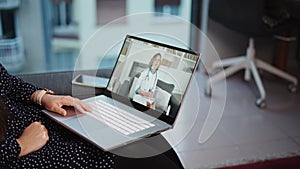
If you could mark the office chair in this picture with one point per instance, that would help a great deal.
(250, 18)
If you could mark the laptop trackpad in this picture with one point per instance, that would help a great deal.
(71, 113)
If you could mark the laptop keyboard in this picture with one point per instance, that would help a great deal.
(117, 118)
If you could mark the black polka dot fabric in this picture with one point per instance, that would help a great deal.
(63, 150)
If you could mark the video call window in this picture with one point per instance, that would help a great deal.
(152, 74)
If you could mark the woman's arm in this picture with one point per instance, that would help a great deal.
(34, 137)
(14, 87)
(9, 150)
(18, 89)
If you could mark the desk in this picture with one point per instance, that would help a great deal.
(61, 83)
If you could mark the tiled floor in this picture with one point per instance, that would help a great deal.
(245, 133)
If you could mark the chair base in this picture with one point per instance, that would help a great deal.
(251, 65)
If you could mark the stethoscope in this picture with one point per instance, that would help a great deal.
(147, 78)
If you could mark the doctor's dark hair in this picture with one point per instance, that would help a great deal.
(4, 119)
(152, 59)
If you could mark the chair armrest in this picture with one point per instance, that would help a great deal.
(174, 106)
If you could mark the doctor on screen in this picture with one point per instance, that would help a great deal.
(146, 84)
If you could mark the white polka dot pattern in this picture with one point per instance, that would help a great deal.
(63, 150)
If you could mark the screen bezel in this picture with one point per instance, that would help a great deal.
(127, 101)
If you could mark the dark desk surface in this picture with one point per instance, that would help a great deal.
(156, 152)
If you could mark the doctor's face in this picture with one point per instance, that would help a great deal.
(156, 62)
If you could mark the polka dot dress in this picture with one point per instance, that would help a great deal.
(63, 150)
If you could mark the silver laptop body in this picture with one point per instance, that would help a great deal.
(99, 132)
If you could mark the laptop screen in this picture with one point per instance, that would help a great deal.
(153, 74)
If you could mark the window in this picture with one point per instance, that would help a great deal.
(109, 10)
(166, 7)
(7, 24)
(53, 43)
(64, 25)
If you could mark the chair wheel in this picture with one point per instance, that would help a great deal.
(292, 88)
(207, 92)
(261, 103)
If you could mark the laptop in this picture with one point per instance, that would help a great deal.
(121, 115)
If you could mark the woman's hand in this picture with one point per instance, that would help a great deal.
(55, 102)
(33, 138)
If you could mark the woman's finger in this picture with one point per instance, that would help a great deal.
(85, 106)
(60, 110)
